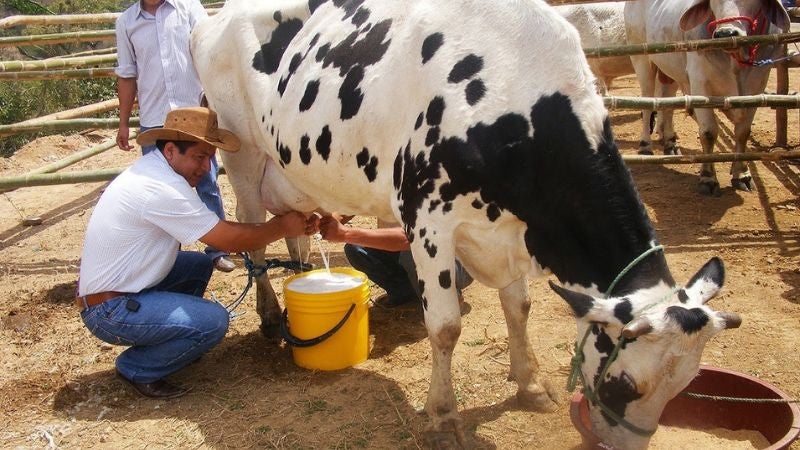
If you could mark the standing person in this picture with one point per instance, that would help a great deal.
(384, 255)
(136, 288)
(154, 63)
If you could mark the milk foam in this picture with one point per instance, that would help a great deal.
(323, 282)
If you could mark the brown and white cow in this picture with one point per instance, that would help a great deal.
(477, 126)
(707, 73)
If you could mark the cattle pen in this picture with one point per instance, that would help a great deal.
(57, 384)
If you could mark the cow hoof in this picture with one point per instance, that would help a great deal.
(709, 188)
(441, 440)
(271, 331)
(743, 184)
(439, 436)
(546, 400)
(645, 151)
(672, 150)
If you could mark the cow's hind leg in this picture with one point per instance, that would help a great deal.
(646, 74)
(532, 391)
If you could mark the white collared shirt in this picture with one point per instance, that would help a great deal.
(132, 237)
(154, 49)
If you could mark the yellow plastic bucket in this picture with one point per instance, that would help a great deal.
(327, 331)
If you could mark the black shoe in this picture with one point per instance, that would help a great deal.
(158, 389)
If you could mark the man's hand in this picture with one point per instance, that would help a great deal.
(123, 134)
(332, 230)
(295, 224)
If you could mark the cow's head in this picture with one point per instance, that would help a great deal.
(731, 18)
(646, 346)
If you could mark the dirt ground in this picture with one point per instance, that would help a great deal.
(57, 387)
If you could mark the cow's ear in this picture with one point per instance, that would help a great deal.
(777, 14)
(707, 282)
(696, 15)
(581, 303)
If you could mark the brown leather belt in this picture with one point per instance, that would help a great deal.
(96, 299)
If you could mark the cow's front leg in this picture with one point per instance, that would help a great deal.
(299, 248)
(532, 391)
(666, 128)
(443, 321)
(646, 75)
(708, 130)
(741, 179)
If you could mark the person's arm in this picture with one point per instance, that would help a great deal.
(239, 237)
(390, 239)
(126, 92)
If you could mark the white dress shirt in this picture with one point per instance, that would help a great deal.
(154, 49)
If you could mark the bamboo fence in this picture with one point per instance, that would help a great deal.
(698, 101)
(99, 51)
(58, 38)
(81, 61)
(67, 19)
(66, 74)
(65, 125)
(691, 46)
(70, 160)
(81, 111)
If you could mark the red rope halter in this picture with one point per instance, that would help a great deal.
(756, 26)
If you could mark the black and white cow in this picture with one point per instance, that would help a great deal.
(477, 126)
(707, 73)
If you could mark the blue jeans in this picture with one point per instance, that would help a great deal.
(395, 272)
(167, 326)
(207, 189)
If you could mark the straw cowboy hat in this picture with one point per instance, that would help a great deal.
(191, 124)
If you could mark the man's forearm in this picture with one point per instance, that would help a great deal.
(126, 92)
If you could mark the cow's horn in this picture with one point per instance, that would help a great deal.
(637, 327)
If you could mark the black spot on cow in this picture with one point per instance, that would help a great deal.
(263, 118)
(361, 16)
(269, 57)
(322, 51)
(430, 247)
(286, 155)
(311, 44)
(430, 45)
(474, 92)
(448, 206)
(683, 296)
(370, 164)
(363, 52)
(312, 88)
(434, 204)
(432, 136)
(277, 16)
(690, 320)
(323, 143)
(477, 204)
(305, 151)
(603, 343)
(350, 94)
(349, 6)
(616, 393)
(465, 69)
(418, 123)
(444, 279)
(435, 111)
(397, 171)
(423, 231)
(314, 4)
(416, 184)
(492, 212)
(297, 59)
(272, 130)
(623, 311)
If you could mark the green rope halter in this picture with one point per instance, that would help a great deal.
(579, 358)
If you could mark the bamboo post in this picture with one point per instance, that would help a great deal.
(58, 38)
(781, 122)
(19, 66)
(99, 51)
(47, 179)
(81, 111)
(64, 125)
(66, 74)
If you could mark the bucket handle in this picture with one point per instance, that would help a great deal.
(297, 342)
